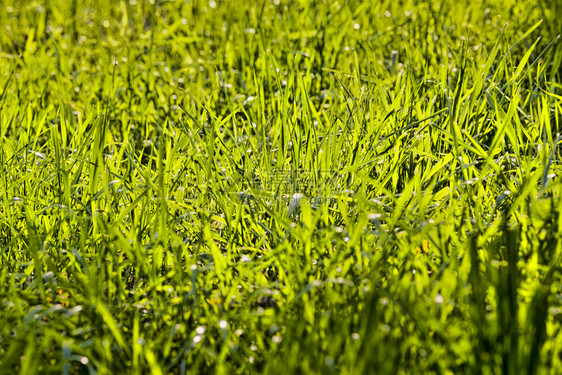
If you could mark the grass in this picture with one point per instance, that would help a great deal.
(280, 187)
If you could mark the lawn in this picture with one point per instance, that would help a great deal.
(280, 187)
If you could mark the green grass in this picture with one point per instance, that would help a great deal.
(280, 187)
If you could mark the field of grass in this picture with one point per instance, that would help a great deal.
(280, 187)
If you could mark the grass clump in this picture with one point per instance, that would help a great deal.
(280, 187)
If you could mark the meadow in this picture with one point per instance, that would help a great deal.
(279, 187)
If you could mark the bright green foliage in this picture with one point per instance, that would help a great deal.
(280, 187)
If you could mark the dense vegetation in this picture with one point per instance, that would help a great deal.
(280, 187)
